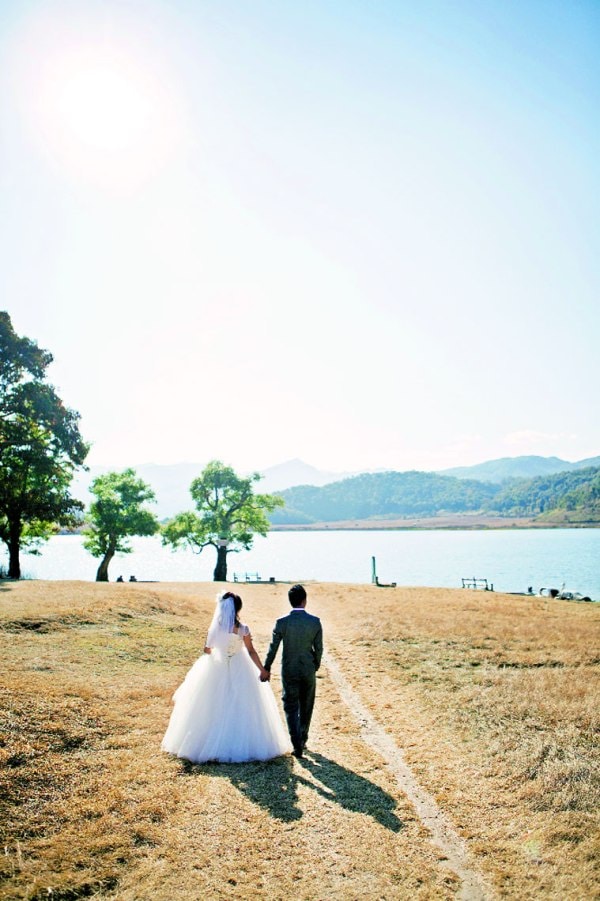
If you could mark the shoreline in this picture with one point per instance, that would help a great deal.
(458, 522)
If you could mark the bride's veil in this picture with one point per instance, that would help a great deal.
(222, 623)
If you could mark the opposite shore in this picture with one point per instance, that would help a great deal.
(458, 521)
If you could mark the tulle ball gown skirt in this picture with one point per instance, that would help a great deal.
(224, 713)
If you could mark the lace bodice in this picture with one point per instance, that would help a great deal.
(236, 640)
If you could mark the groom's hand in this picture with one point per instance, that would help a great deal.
(265, 676)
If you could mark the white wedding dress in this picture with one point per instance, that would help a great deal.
(223, 712)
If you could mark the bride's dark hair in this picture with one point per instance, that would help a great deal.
(237, 605)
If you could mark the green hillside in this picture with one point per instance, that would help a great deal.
(572, 496)
(577, 491)
(381, 495)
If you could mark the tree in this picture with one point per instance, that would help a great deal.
(40, 447)
(33, 536)
(229, 515)
(117, 514)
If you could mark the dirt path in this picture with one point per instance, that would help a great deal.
(330, 827)
(442, 831)
(415, 785)
(348, 820)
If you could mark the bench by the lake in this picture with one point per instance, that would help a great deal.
(478, 584)
(250, 577)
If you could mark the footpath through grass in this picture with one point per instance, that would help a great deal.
(493, 699)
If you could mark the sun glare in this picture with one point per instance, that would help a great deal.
(105, 111)
(101, 105)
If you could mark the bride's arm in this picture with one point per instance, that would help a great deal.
(254, 656)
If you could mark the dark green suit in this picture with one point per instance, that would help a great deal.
(302, 638)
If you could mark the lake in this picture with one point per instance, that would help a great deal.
(512, 559)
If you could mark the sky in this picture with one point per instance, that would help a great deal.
(362, 234)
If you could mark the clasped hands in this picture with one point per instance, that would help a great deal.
(265, 675)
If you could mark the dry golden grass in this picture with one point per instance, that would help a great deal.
(493, 698)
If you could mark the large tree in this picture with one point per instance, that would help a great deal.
(40, 447)
(228, 515)
(116, 515)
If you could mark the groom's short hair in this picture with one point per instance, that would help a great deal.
(297, 595)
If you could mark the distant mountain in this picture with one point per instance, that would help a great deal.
(382, 495)
(572, 496)
(312, 496)
(517, 468)
(296, 472)
(585, 464)
(171, 482)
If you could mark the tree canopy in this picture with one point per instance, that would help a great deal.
(577, 490)
(40, 447)
(229, 515)
(116, 515)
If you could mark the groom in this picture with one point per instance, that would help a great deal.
(302, 638)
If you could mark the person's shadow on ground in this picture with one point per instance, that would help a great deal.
(273, 785)
(350, 791)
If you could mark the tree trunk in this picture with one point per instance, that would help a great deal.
(14, 547)
(220, 573)
(102, 574)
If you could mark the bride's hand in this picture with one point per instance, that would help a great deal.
(207, 650)
(265, 675)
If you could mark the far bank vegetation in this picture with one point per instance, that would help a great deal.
(569, 498)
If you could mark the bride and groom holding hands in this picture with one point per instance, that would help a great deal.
(223, 712)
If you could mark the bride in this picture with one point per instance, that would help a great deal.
(223, 712)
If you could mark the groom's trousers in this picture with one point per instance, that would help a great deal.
(298, 697)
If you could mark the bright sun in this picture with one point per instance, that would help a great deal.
(105, 114)
(101, 104)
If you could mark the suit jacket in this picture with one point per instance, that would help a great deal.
(302, 637)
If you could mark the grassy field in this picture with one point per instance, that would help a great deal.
(493, 699)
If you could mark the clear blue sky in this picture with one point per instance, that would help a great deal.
(365, 234)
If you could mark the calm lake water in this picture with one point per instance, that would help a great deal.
(512, 559)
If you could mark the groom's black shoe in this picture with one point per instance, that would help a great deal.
(297, 752)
